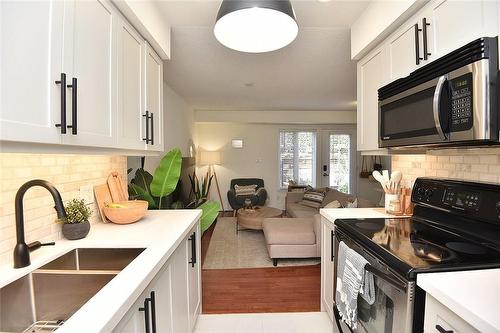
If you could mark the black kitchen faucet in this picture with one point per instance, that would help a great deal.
(22, 250)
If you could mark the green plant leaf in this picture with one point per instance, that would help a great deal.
(210, 211)
(167, 174)
(143, 179)
(136, 190)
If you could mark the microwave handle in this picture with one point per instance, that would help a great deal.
(435, 106)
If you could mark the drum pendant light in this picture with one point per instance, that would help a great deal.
(255, 26)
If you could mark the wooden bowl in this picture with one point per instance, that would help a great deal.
(128, 211)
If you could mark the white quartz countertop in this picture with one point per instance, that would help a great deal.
(159, 232)
(331, 214)
(472, 295)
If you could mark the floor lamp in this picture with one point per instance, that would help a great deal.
(212, 158)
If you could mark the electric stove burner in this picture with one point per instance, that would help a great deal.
(368, 225)
(466, 248)
(431, 252)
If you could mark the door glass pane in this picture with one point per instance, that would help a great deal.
(340, 162)
(287, 153)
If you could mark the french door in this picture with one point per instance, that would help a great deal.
(338, 160)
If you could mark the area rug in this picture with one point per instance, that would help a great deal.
(247, 249)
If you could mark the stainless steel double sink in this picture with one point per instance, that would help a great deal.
(42, 300)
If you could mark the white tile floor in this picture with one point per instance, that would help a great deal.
(303, 322)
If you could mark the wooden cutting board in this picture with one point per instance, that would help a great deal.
(102, 197)
(116, 187)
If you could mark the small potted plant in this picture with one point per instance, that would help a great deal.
(76, 225)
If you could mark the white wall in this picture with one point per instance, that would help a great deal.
(178, 127)
(259, 156)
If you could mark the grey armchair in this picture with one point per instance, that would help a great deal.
(237, 202)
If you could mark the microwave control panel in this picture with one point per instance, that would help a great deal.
(461, 103)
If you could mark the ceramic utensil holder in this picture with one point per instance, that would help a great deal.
(388, 199)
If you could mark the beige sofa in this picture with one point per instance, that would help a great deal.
(293, 237)
(295, 209)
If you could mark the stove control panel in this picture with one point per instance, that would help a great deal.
(478, 200)
(461, 199)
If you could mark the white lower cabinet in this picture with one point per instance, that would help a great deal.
(327, 266)
(438, 319)
(194, 276)
(171, 303)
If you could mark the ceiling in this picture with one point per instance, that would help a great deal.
(312, 73)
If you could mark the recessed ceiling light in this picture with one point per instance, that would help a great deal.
(255, 26)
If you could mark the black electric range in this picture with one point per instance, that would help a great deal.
(456, 226)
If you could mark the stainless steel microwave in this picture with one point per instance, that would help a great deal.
(452, 101)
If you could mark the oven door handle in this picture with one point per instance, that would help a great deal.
(386, 277)
(436, 101)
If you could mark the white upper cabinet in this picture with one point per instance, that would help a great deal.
(153, 106)
(372, 73)
(89, 55)
(438, 28)
(456, 23)
(30, 63)
(411, 46)
(112, 77)
(130, 92)
(402, 52)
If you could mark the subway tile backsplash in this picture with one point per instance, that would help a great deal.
(67, 172)
(472, 165)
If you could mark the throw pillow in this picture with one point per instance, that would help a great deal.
(334, 204)
(313, 198)
(245, 189)
(353, 204)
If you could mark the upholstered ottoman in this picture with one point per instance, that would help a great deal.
(292, 237)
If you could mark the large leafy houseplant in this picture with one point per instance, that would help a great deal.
(157, 188)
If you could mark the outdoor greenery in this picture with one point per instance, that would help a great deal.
(76, 211)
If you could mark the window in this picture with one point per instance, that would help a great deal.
(340, 162)
(297, 157)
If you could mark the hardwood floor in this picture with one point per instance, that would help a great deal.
(247, 290)
(252, 290)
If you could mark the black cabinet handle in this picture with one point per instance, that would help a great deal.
(146, 117)
(417, 45)
(442, 330)
(332, 236)
(152, 129)
(74, 106)
(146, 310)
(425, 24)
(62, 82)
(192, 239)
(153, 310)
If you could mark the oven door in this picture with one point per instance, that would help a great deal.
(393, 307)
(452, 108)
